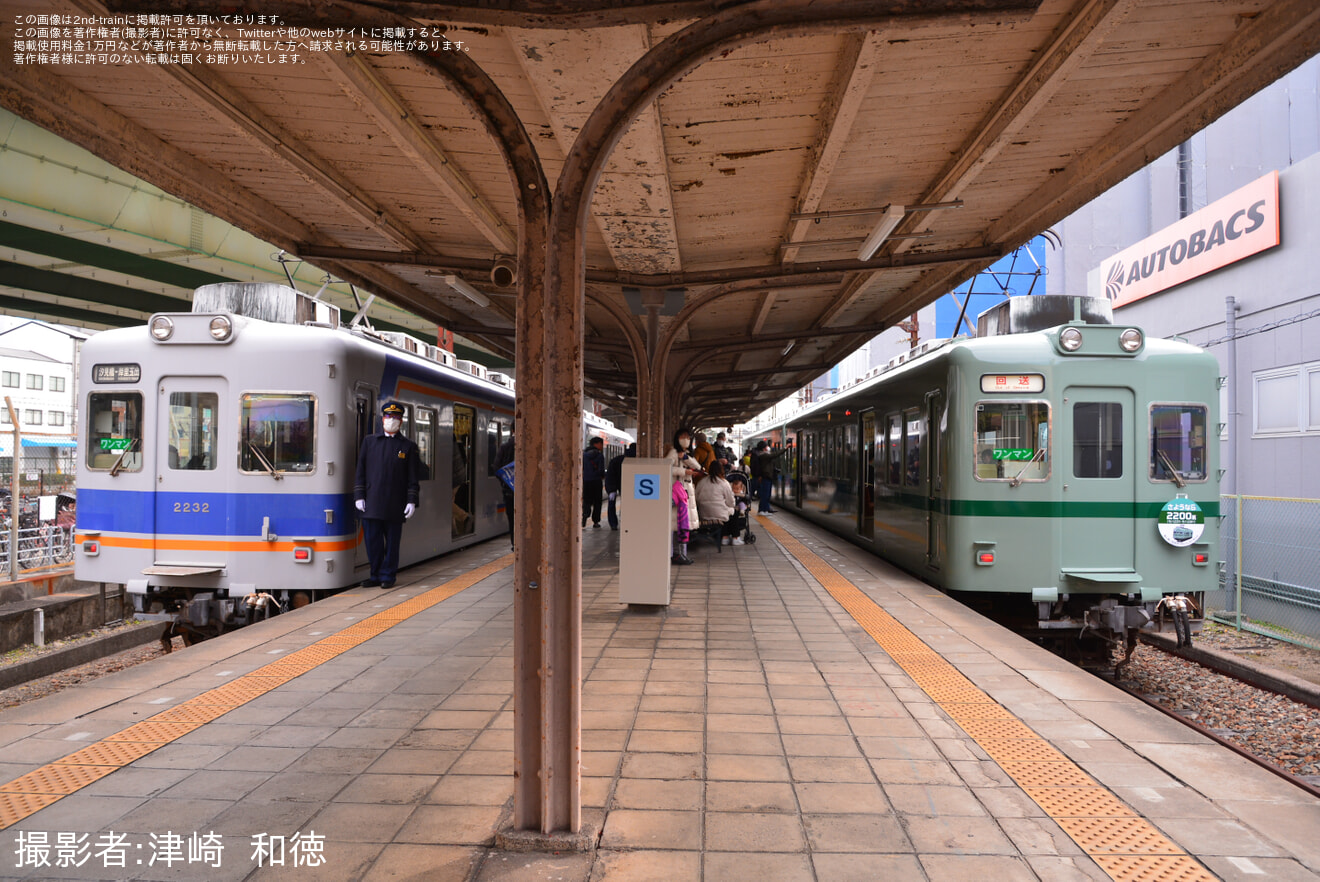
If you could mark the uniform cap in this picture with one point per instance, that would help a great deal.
(392, 409)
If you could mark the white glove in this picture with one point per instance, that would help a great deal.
(612, 496)
(361, 505)
(408, 510)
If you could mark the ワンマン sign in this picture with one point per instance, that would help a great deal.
(1243, 223)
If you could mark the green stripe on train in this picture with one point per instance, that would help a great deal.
(998, 508)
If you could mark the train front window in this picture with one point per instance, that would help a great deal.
(192, 430)
(1098, 439)
(114, 431)
(1177, 442)
(1012, 441)
(278, 433)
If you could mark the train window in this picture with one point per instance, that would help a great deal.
(1098, 439)
(849, 471)
(463, 510)
(114, 431)
(278, 433)
(406, 423)
(895, 448)
(913, 448)
(493, 446)
(1012, 441)
(193, 427)
(1177, 442)
(424, 438)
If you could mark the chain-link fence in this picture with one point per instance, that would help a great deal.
(1271, 578)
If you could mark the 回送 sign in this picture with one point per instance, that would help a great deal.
(1012, 382)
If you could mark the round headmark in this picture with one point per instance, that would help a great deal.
(1181, 522)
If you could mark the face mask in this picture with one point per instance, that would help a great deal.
(684, 443)
(391, 425)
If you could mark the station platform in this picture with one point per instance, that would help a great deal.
(801, 711)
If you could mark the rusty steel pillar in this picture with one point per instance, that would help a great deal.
(535, 617)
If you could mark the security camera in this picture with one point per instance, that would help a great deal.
(504, 274)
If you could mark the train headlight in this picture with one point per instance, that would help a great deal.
(1130, 340)
(162, 328)
(1070, 339)
(221, 327)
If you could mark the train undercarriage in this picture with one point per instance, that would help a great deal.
(1097, 633)
(197, 615)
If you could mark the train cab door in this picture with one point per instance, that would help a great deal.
(935, 521)
(364, 418)
(1099, 424)
(192, 484)
(866, 503)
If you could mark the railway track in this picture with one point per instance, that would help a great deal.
(1279, 733)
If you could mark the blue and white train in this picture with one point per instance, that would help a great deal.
(218, 449)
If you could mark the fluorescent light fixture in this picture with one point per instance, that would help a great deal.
(892, 217)
(789, 347)
(467, 290)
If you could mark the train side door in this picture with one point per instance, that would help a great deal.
(192, 484)
(866, 504)
(935, 522)
(1099, 478)
(364, 419)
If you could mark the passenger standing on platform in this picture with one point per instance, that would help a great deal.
(682, 525)
(769, 470)
(682, 467)
(385, 492)
(722, 451)
(754, 469)
(593, 480)
(503, 458)
(702, 452)
(614, 483)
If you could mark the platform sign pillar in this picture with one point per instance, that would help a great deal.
(645, 523)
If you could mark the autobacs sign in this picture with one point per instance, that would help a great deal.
(1242, 223)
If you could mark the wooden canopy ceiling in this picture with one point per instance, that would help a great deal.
(749, 183)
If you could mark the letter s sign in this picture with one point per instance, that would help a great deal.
(646, 486)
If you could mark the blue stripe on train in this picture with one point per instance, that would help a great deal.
(214, 514)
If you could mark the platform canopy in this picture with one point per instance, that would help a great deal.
(737, 204)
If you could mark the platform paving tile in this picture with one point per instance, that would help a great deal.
(758, 867)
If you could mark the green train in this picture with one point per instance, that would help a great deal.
(1056, 458)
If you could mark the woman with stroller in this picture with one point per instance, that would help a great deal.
(715, 499)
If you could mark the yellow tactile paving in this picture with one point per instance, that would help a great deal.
(1124, 845)
(32, 792)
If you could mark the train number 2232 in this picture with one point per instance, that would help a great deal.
(192, 507)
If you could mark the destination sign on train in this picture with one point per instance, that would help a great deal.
(1012, 382)
(116, 373)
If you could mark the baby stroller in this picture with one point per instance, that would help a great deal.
(739, 524)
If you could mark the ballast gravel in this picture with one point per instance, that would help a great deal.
(1279, 730)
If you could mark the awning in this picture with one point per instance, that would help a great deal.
(49, 442)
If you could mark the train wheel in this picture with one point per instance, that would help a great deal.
(299, 600)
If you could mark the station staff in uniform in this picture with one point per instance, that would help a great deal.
(385, 493)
